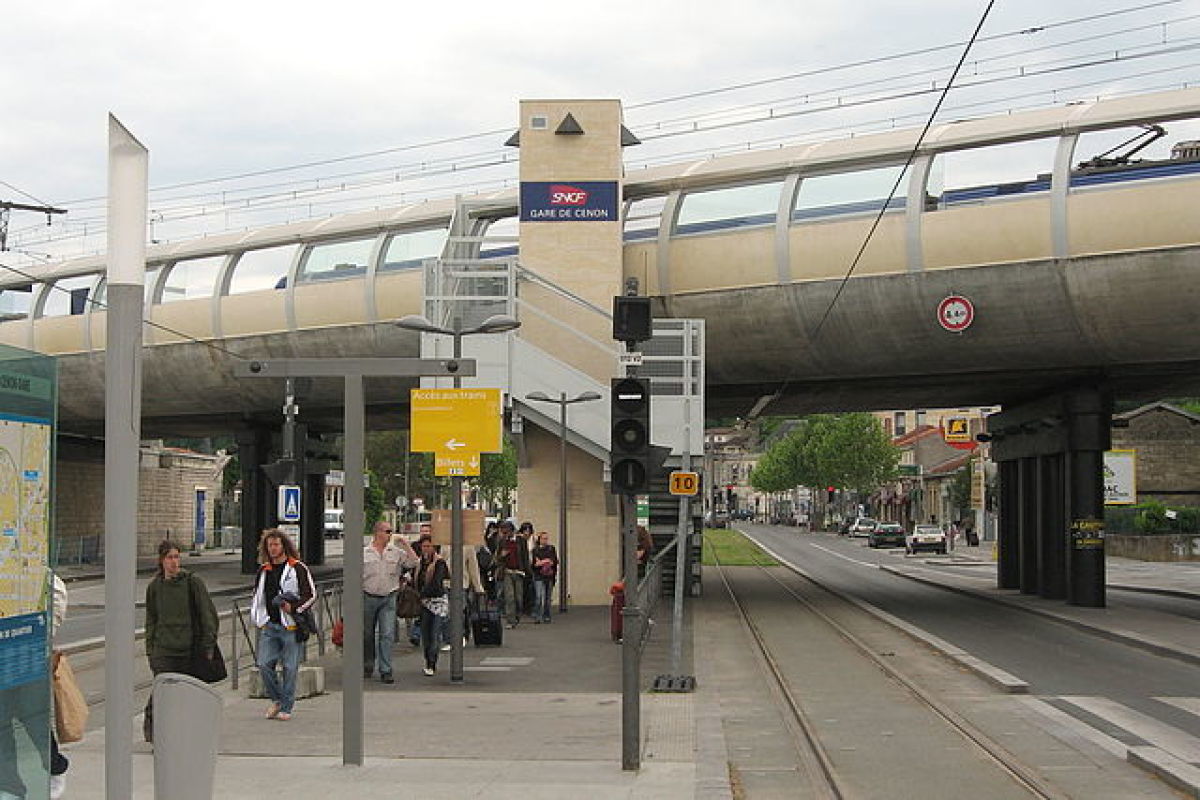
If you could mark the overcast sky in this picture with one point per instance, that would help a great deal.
(221, 88)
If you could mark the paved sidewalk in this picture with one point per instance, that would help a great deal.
(539, 717)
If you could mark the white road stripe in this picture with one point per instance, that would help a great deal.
(1077, 726)
(870, 564)
(1166, 737)
(1191, 704)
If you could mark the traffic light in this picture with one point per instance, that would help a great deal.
(630, 426)
(632, 321)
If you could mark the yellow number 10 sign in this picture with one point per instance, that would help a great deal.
(685, 483)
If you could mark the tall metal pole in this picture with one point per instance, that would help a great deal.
(128, 166)
(562, 503)
(352, 563)
(631, 638)
(456, 555)
(681, 538)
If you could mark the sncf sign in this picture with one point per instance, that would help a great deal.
(581, 201)
(563, 195)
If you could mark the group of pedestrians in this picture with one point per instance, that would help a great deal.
(523, 568)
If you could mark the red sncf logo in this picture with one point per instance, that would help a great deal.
(563, 195)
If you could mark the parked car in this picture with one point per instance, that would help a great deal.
(718, 519)
(925, 537)
(334, 523)
(887, 533)
(862, 526)
(844, 527)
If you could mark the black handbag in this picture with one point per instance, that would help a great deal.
(209, 670)
(408, 602)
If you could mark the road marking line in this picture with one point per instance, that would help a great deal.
(1165, 737)
(1078, 726)
(870, 564)
(1191, 704)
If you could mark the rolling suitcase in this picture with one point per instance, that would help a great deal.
(487, 628)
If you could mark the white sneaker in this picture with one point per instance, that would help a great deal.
(58, 786)
(446, 647)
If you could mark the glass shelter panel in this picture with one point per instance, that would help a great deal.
(262, 269)
(972, 177)
(859, 192)
(27, 403)
(334, 261)
(407, 250)
(192, 278)
(15, 302)
(732, 207)
(68, 297)
(643, 217)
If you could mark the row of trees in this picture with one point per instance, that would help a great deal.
(845, 451)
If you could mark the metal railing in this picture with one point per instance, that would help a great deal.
(648, 593)
(326, 611)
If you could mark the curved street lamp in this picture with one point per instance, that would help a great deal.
(497, 323)
(562, 401)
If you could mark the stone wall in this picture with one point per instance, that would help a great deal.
(167, 480)
(1167, 441)
(1165, 547)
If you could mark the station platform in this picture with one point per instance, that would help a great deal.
(540, 716)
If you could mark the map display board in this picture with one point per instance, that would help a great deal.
(27, 411)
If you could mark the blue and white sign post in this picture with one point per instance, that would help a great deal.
(289, 504)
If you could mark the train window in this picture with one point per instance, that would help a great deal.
(68, 297)
(336, 260)
(408, 249)
(859, 192)
(15, 302)
(256, 270)
(643, 216)
(732, 207)
(970, 177)
(192, 278)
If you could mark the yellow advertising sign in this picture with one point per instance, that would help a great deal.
(455, 423)
(463, 464)
(958, 429)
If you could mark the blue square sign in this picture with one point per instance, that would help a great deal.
(289, 504)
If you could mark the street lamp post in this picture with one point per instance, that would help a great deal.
(562, 401)
(497, 323)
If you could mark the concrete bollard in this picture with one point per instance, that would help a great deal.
(187, 729)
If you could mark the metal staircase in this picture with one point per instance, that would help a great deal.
(553, 353)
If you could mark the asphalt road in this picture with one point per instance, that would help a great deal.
(1056, 660)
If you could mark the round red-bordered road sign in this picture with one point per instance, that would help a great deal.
(955, 313)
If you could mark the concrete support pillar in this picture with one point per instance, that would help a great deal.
(1052, 529)
(1027, 516)
(312, 519)
(1089, 432)
(1008, 572)
(254, 450)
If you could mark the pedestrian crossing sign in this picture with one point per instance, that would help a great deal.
(289, 504)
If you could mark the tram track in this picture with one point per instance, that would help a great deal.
(810, 748)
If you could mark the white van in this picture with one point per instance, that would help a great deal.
(334, 523)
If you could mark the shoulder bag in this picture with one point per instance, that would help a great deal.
(209, 670)
(408, 601)
(70, 708)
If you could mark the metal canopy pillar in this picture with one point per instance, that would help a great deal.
(352, 371)
(1051, 456)
(254, 448)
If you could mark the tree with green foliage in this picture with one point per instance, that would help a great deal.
(846, 451)
(497, 479)
(373, 500)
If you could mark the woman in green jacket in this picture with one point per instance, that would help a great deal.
(181, 621)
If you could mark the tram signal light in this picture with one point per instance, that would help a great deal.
(632, 320)
(630, 428)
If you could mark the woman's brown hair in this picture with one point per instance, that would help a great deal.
(289, 549)
(164, 547)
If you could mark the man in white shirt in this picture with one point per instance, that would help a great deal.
(382, 562)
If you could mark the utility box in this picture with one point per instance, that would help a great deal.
(187, 729)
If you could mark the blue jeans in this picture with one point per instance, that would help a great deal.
(378, 612)
(543, 598)
(278, 645)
